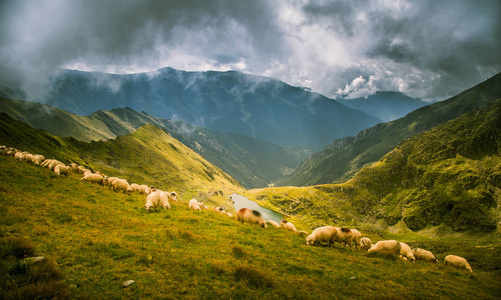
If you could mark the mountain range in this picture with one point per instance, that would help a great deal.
(260, 107)
(344, 157)
(386, 106)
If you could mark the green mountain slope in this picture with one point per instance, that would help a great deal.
(254, 163)
(98, 239)
(146, 156)
(447, 179)
(341, 160)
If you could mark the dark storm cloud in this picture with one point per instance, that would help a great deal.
(431, 49)
(55, 33)
(456, 40)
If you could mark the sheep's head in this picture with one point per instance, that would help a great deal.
(309, 240)
(262, 222)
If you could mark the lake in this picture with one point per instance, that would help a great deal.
(240, 201)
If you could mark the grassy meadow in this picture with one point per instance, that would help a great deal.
(95, 240)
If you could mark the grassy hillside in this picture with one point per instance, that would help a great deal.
(341, 160)
(95, 240)
(146, 156)
(443, 181)
(253, 162)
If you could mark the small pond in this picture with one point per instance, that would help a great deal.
(240, 201)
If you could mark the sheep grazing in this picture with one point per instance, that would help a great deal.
(288, 225)
(134, 187)
(19, 156)
(109, 180)
(325, 234)
(144, 189)
(157, 199)
(457, 262)
(345, 236)
(38, 159)
(53, 164)
(365, 243)
(219, 209)
(273, 223)
(93, 178)
(74, 168)
(388, 247)
(193, 204)
(203, 206)
(406, 252)
(357, 237)
(62, 170)
(251, 216)
(424, 255)
(29, 157)
(173, 196)
(121, 185)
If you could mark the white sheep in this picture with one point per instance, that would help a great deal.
(38, 159)
(325, 234)
(425, 255)
(93, 178)
(134, 187)
(344, 235)
(74, 168)
(273, 223)
(288, 225)
(29, 157)
(62, 170)
(144, 189)
(19, 156)
(405, 251)
(108, 181)
(193, 204)
(121, 185)
(54, 163)
(202, 205)
(388, 247)
(251, 216)
(157, 199)
(457, 262)
(173, 196)
(357, 237)
(219, 209)
(365, 243)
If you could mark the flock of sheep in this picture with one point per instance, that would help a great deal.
(156, 199)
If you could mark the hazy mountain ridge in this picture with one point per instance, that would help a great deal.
(444, 180)
(253, 162)
(344, 157)
(260, 107)
(386, 106)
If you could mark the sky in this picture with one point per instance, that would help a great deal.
(428, 49)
